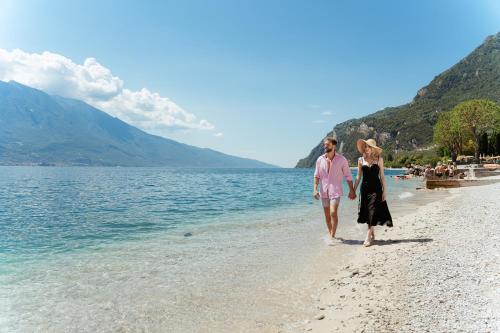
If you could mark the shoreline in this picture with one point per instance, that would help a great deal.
(277, 278)
(251, 284)
(419, 277)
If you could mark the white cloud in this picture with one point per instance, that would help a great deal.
(96, 85)
(150, 111)
(314, 106)
(326, 113)
(219, 134)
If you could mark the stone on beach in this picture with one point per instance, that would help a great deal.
(354, 273)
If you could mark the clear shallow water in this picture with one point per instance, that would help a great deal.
(50, 210)
(104, 249)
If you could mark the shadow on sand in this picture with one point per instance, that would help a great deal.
(397, 241)
(381, 242)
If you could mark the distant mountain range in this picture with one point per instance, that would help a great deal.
(409, 127)
(37, 128)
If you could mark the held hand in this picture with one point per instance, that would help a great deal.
(383, 196)
(316, 195)
(352, 195)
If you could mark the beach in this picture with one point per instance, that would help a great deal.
(201, 167)
(259, 263)
(437, 270)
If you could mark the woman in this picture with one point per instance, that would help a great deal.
(373, 209)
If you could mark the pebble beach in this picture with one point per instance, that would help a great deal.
(438, 271)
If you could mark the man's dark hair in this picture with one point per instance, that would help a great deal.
(332, 141)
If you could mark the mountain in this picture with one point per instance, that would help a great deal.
(37, 128)
(409, 127)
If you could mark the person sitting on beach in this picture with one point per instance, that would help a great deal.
(330, 169)
(419, 171)
(373, 209)
(429, 171)
(451, 170)
(439, 171)
(409, 169)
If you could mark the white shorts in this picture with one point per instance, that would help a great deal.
(328, 202)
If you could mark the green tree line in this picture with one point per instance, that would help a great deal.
(471, 125)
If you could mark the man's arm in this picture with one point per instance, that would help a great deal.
(316, 182)
(315, 188)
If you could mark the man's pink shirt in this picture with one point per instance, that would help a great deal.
(330, 181)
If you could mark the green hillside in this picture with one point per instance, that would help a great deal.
(409, 127)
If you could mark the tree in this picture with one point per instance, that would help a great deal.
(477, 116)
(483, 143)
(491, 142)
(448, 134)
(497, 144)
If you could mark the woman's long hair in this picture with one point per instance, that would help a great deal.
(374, 155)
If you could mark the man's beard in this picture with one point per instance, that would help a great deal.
(328, 150)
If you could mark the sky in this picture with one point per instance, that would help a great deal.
(259, 79)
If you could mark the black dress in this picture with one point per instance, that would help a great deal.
(372, 210)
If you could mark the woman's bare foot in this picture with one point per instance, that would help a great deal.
(368, 240)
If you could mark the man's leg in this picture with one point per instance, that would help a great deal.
(334, 207)
(326, 210)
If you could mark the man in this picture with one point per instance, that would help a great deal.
(439, 170)
(330, 168)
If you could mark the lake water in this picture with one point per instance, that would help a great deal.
(162, 249)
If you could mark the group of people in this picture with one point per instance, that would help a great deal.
(415, 170)
(441, 170)
(332, 167)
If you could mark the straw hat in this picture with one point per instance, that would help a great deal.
(370, 142)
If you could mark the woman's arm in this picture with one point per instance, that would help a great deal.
(382, 176)
(358, 175)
